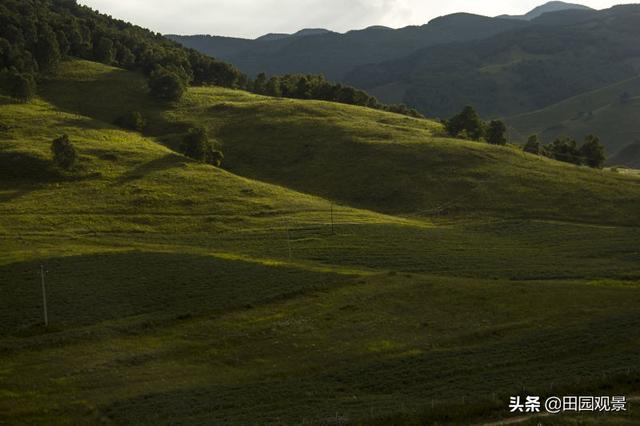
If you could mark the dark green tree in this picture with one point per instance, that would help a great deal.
(273, 87)
(125, 58)
(63, 43)
(592, 152)
(103, 50)
(166, 85)
(533, 145)
(47, 51)
(197, 145)
(215, 158)
(564, 149)
(467, 123)
(21, 86)
(260, 84)
(496, 133)
(132, 121)
(64, 153)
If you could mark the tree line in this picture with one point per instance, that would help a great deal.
(299, 86)
(468, 125)
(35, 35)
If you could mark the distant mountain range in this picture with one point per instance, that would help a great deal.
(552, 6)
(318, 50)
(334, 54)
(504, 66)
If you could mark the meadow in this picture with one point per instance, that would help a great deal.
(344, 266)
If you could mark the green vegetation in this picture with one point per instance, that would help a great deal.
(37, 35)
(468, 125)
(64, 153)
(166, 85)
(132, 121)
(335, 55)
(383, 275)
(496, 131)
(525, 69)
(196, 144)
(317, 87)
(19, 86)
(392, 164)
(609, 112)
(566, 149)
(533, 145)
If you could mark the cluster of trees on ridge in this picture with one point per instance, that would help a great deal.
(300, 86)
(566, 149)
(35, 35)
(468, 125)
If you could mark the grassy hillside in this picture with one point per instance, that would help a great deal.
(360, 157)
(182, 293)
(610, 112)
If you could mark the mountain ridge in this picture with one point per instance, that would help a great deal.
(335, 54)
(550, 7)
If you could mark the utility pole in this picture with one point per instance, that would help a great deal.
(44, 297)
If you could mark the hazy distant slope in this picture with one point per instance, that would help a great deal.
(515, 71)
(628, 156)
(223, 47)
(334, 55)
(552, 6)
(610, 112)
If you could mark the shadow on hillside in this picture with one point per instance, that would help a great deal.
(167, 162)
(14, 194)
(5, 100)
(161, 286)
(360, 167)
(84, 123)
(19, 166)
(107, 97)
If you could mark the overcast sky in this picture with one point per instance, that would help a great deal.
(253, 18)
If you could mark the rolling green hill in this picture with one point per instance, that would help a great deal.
(346, 265)
(365, 158)
(610, 112)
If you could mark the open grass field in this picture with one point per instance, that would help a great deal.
(346, 266)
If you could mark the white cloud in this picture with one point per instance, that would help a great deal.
(252, 18)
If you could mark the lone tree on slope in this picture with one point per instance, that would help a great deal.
(64, 153)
